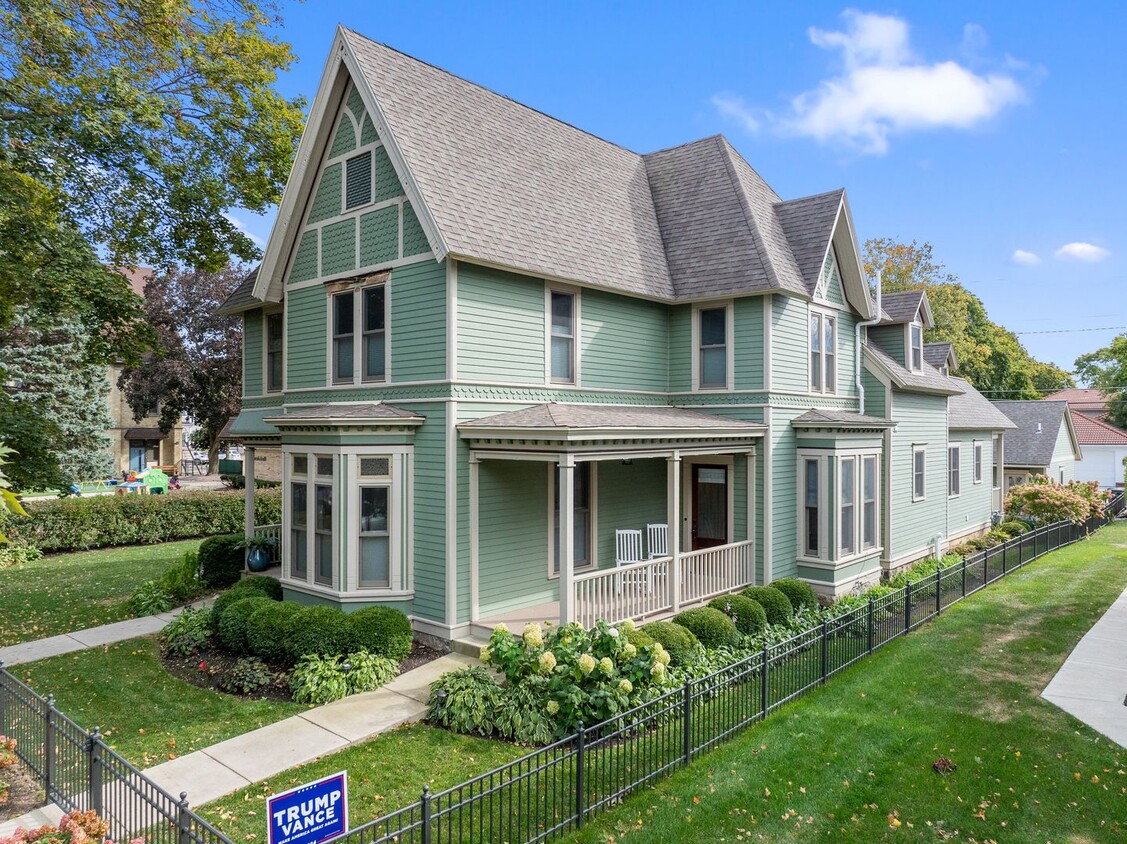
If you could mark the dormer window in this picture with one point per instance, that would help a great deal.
(916, 347)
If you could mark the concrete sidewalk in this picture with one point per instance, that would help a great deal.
(80, 640)
(1092, 683)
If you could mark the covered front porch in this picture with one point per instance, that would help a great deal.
(582, 512)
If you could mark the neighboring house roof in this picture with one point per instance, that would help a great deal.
(498, 183)
(940, 354)
(242, 296)
(579, 416)
(927, 380)
(1033, 442)
(972, 411)
(839, 419)
(904, 307)
(1091, 431)
(1082, 400)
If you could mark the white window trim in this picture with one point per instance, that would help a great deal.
(859, 549)
(576, 334)
(918, 448)
(876, 546)
(978, 457)
(822, 458)
(825, 314)
(729, 345)
(830, 553)
(958, 449)
(266, 314)
(687, 463)
(909, 347)
(358, 337)
(592, 519)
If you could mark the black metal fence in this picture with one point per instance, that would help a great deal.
(554, 789)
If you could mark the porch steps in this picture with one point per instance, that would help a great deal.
(470, 645)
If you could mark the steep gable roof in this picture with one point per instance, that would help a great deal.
(809, 226)
(1038, 424)
(904, 307)
(927, 380)
(1091, 431)
(940, 354)
(972, 411)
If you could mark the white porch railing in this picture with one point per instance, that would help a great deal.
(642, 590)
(274, 532)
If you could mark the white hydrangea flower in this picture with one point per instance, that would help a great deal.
(628, 625)
(501, 628)
(625, 687)
(630, 651)
(547, 662)
(533, 635)
(586, 663)
(607, 665)
(552, 707)
(658, 670)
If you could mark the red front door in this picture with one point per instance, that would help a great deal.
(710, 506)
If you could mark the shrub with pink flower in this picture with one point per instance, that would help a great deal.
(73, 828)
(1045, 502)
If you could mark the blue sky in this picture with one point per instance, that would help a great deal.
(995, 131)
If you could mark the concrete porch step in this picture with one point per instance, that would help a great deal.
(470, 645)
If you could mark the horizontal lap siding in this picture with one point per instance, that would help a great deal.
(891, 339)
(418, 322)
(630, 497)
(846, 354)
(875, 399)
(1062, 456)
(252, 352)
(920, 419)
(971, 508)
(513, 536)
(430, 512)
(680, 348)
(789, 344)
(306, 338)
(500, 326)
(784, 494)
(749, 343)
(624, 342)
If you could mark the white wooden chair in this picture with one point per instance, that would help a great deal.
(657, 541)
(627, 550)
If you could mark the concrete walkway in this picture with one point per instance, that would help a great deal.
(79, 640)
(1092, 683)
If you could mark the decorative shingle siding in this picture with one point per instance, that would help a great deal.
(345, 138)
(624, 342)
(368, 134)
(252, 352)
(414, 240)
(387, 182)
(355, 104)
(748, 341)
(304, 266)
(338, 247)
(418, 322)
(500, 326)
(833, 291)
(379, 236)
(306, 315)
(326, 201)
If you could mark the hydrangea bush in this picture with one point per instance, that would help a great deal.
(73, 828)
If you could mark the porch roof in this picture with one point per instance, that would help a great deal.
(372, 414)
(840, 419)
(567, 426)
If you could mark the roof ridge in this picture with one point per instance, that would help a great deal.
(805, 198)
(726, 151)
(488, 90)
(705, 139)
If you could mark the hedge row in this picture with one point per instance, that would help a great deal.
(77, 524)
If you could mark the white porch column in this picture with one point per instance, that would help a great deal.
(749, 575)
(673, 514)
(566, 483)
(475, 469)
(248, 505)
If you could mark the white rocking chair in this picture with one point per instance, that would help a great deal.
(627, 550)
(657, 540)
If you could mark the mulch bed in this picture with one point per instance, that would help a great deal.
(24, 792)
(205, 668)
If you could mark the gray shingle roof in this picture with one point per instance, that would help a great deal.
(840, 418)
(809, 225)
(928, 380)
(1035, 437)
(972, 411)
(560, 416)
(375, 411)
(900, 307)
(937, 354)
(242, 296)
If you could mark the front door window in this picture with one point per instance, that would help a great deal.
(710, 506)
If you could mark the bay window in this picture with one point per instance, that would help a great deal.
(811, 507)
(847, 509)
(838, 493)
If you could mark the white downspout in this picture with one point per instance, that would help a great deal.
(865, 323)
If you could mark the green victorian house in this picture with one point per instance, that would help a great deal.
(519, 372)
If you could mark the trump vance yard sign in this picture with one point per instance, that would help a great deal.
(310, 813)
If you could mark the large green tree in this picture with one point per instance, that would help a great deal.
(990, 356)
(197, 369)
(1106, 369)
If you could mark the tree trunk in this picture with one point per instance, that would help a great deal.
(213, 456)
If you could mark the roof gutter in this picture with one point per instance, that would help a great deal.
(865, 323)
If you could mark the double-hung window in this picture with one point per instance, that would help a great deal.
(323, 521)
(364, 309)
(375, 519)
(580, 520)
(811, 507)
(868, 502)
(713, 361)
(823, 353)
(916, 342)
(847, 473)
(919, 467)
(977, 462)
(954, 455)
(562, 352)
(838, 505)
(299, 517)
(273, 352)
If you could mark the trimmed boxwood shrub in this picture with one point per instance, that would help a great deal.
(221, 560)
(80, 523)
(232, 627)
(266, 630)
(750, 617)
(318, 630)
(382, 631)
(639, 639)
(1013, 527)
(679, 641)
(712, 628)
(261, 584)
(774, 603)
(247, 588)
(798, 592)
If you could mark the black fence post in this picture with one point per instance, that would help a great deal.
(580, 774)
(907, 606)
(49, 748)
(94, 771)
(425, 803)
(3, 698)
(763, 692)
(870, 631)
(938, 582)
(1005, 570)
(687, 718)
(825, 650)
(183, 820)
(964, 577)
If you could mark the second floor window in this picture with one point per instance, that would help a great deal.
(916, 337)
(364, 309)
(273, 352)
(563, 337)
(823, 353)
(713, 348)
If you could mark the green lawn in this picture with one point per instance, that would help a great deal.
(146, 714)
(852, 762)
(66, 592)
(383, 775)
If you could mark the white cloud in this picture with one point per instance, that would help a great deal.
(1087, 253)
(1026, 259)
(242, 227)
(730, 105)
(886, 90)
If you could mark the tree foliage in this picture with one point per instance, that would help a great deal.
(990, 356)
(140, 123)
(1106, 369)
(197, 369)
